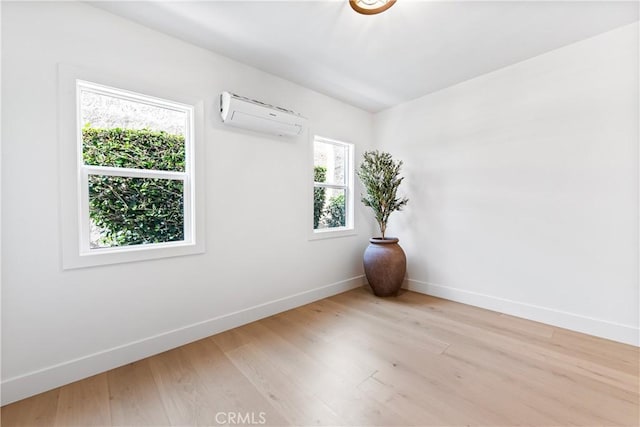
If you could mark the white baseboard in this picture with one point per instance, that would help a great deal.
(601, 328)
(35, 382)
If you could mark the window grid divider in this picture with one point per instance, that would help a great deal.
(332, 186)
(134, 173)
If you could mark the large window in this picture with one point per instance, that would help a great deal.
(134, 160)
(332, 187)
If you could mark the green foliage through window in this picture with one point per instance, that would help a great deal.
(127, 210)
(132, 148)
(319, 175)
(327, 213)
(335, 212)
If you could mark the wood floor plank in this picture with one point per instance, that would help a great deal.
(345, 361)
(37, 411)
(186, 397)
(616, 355)
(340, 393)
(228, 388)
(84, 403)
(626, 412)
(416, 411)
(230, 340)
(551, 354)
(532, 382)
(134, 397)
(395, 333)
(415, 372)
(449, 406)
(298, 405)
(525, 327)
(611, 354)
(359, 346)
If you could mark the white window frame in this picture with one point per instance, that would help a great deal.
(74, 174)
(87, 170)
(349, 229)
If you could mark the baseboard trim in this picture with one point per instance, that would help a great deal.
(32, 383)
(601, 328)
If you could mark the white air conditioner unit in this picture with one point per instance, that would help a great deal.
(246, 113)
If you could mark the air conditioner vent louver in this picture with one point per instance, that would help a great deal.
(242, 112)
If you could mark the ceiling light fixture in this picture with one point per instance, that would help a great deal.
(371, 7)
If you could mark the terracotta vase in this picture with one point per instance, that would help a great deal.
(385, 265)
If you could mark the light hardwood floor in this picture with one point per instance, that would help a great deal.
(357, 360)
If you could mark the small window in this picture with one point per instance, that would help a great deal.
(332, 187)
(135, 175)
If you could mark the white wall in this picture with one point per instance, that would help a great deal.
(523, 187)
(58, 326)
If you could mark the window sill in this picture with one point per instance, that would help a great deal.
(109, 256)
(332, 234)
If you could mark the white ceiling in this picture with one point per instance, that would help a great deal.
(374, 62)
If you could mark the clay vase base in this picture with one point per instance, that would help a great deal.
(385, 266)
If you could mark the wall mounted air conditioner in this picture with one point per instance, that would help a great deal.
(246, 113)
